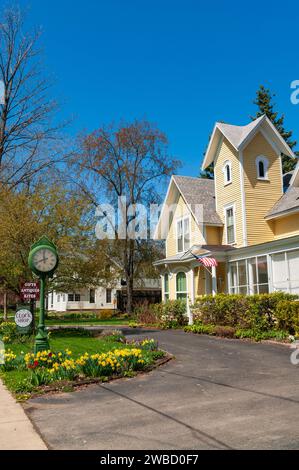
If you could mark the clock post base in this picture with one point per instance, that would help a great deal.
(41, 344)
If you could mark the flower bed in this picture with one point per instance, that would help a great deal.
(121, 358)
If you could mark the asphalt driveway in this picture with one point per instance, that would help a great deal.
(217, 394)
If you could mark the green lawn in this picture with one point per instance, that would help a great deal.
(15, 379)
(77, 345)
(84, 321)
(67, 322)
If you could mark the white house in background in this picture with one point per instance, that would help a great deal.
(104, 298)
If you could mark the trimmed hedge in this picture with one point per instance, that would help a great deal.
(253, 312)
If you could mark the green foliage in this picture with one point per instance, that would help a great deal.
(287, 316)
(208, 173)
(171, 314)
(8, 332)
(113, 335)
(257, 312)
(261, 335)
(157, 354)
(72, 332)
(200, 329)
(264, 102)
(103, 357)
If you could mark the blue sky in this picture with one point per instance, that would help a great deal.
(182, 64)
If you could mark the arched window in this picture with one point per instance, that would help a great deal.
(181, 286)
(166, 287)
(227, 171)
(262, 168)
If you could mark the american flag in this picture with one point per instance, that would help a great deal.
(208, 262)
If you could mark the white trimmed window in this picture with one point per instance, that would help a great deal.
(183, 234)
(262, 165)
(227, 172)
(108, 296)
(181, 286)
(230, 225)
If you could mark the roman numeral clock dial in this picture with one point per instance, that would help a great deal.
(44, 260)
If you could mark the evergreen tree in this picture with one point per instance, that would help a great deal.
(208, 173)
(264, 102)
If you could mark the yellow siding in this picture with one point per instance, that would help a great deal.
(172, 287)
(200, 281)
(287, 226)
(213, 235)
(260, 196)
(196, 235)
(221, 277)
(231, 193)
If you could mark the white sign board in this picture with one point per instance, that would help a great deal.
(23, 318)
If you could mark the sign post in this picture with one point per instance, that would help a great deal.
(43, 261)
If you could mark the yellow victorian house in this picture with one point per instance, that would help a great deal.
(247, 218)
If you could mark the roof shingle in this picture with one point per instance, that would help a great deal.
(287, 202)
(199, 191)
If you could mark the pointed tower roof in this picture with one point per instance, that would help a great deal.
(240, 136)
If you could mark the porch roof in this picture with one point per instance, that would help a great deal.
(217, 251)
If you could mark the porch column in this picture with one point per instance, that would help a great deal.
(214, 280)
(191, 298)
(162, 287)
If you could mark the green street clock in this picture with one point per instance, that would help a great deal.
(43, 261)
(43, 258)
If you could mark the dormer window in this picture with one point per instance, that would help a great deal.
(227, 171)
(262, 165)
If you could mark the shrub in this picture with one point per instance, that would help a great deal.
(225, 331)
(171, 313)
(201, 329)
(261, 335)
(222, 309)
(8, 332)
(287, 316)
(146, 314)
(257, 312)
(113, 335)
(105, 314)
(70, 332)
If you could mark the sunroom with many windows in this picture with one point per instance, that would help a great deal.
(249, 276)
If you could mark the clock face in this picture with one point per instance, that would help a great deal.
(44, 260)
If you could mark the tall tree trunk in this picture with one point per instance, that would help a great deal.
(130, 275)
(5, 318)
(130, 282)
